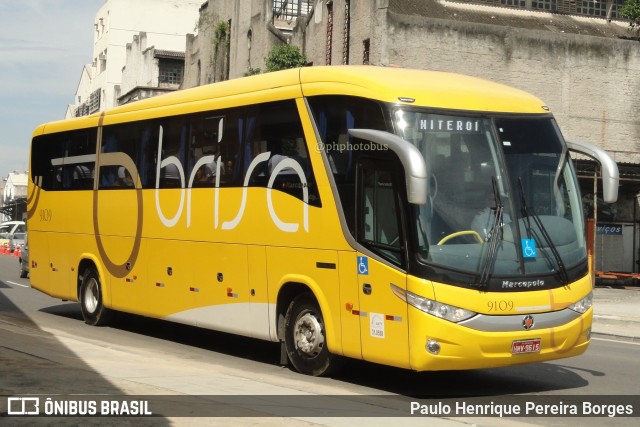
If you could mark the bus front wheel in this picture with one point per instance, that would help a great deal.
(305, 337)
(91, 303)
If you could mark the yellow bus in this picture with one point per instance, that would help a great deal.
(417, 219)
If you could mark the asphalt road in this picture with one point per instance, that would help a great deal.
(46, 349)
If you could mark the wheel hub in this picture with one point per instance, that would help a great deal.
(307, 335)
(91, 296)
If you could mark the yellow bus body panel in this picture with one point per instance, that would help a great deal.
(419, 88)
(466, 348)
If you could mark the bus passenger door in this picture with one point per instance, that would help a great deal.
(383, 316)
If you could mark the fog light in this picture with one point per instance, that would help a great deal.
(588, 333)
(433, 346)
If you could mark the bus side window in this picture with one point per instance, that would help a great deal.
(82, 177)
(174, 144)
(276, 128)
(205, 136)
(379, 227)
(214, 136)
(229, 148)
(81, 174)
(146, 153)
(43, 150)
(108, 174)
(334, 115)
(57, 160)
(139, 142)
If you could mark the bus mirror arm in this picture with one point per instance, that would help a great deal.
(610, 174)
(415, 167)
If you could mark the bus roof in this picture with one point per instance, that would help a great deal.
(389, 84)
(425, 88)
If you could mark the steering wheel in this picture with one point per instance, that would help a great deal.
(473, 233)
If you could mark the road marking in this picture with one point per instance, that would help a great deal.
(622, 340)
(17, 284)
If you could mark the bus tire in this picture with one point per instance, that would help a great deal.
(94, 312)
(23, 271)
(305, 337)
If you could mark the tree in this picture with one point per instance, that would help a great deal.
(283, 57)
(631, 10)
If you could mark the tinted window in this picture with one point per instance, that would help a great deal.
(380, 228)
(214, 148)
(276, 128)
(196, 150)
(333, 116)
(64, 161)
(137, 141)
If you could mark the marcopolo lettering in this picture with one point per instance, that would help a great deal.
(522, 284)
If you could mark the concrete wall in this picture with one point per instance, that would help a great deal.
(253, 17)
(311, 34)
(140, 65)
(590, 83)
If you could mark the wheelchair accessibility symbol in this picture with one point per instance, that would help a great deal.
(363, 265)
(529, 248)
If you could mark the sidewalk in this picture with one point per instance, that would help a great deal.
(616, 312)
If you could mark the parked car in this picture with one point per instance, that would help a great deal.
(8, 229)
(16, 241)
(24, 258)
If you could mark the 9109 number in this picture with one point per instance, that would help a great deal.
(500, 305)
(45, 215)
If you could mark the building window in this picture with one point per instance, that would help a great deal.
(599, 8)
(615, 6)
(329, 33)
(103, 61)
(549, 5)
(365, 51)
(593, 8)
(347, 30)
(288, 11)
(514, 3)
(199, 72)
(94, 101)
(170, 72)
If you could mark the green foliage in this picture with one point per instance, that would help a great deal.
(631, 11)
(283, 57)
(220, 34)
(252, 71)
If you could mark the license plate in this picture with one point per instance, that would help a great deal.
(525, 346)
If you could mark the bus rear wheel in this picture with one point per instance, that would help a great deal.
(94, 312)
(305, 337)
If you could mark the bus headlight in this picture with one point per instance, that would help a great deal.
(443, 311)
(583, 305)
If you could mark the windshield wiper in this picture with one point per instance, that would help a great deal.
(492, 236)
(528, 213)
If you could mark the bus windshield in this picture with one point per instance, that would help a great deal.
(503, 207)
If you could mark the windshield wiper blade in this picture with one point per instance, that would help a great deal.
(492, 236)
(528, 213)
